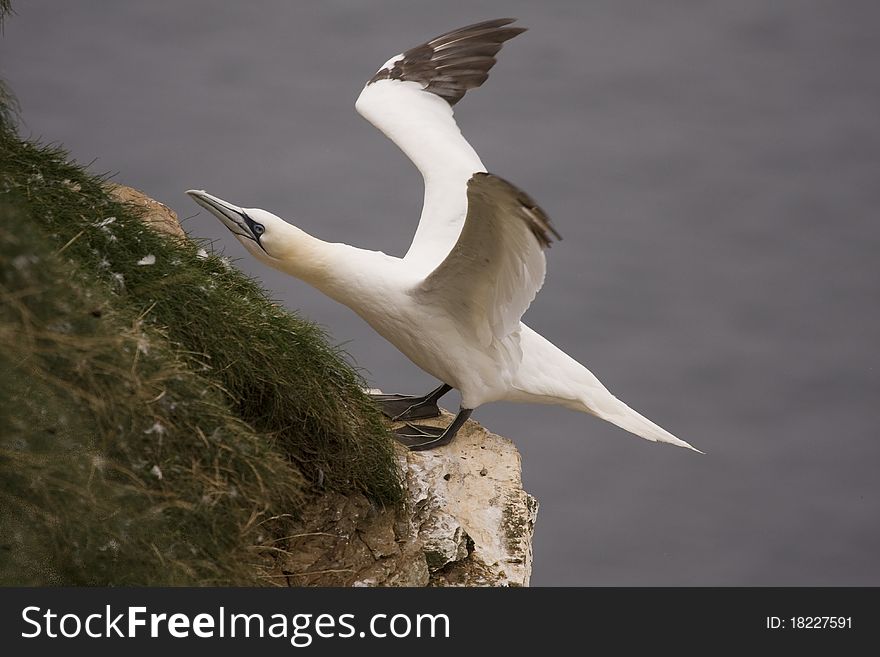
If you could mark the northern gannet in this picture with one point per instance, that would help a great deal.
(453, 303)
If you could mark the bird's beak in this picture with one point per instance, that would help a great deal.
(232, 216)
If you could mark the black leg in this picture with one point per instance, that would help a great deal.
(411, 407)
(418, 437)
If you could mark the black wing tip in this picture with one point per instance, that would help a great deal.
(538, 221)
(490, 24)
(423, 63)
(492, 31)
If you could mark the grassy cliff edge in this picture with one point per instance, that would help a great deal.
(161, 417)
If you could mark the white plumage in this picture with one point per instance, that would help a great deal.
(453, 303)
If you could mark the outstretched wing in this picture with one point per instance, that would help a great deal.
(452, 63)
(410, 100)
(497, 265)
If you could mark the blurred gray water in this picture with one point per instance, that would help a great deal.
(713, 167)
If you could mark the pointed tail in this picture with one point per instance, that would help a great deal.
(550, 376)
(611, 409)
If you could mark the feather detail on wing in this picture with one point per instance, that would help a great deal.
(410, 100)
(497, 266)
(452, 63)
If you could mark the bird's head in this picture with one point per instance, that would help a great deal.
(260, 232)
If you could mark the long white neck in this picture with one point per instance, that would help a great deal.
(344, 273)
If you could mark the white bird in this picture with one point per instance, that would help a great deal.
(453, 303)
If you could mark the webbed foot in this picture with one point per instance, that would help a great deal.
(419, 437)
(411, 407)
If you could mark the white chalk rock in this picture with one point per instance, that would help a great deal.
(466, 522)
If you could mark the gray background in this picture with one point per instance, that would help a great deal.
(713, 168)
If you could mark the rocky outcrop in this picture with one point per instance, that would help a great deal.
(466, 522)
(157, 216)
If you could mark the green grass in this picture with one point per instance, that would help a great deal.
(5, 10)
(113, 373)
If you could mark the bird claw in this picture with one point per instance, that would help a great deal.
(400, 408)
(419, 437)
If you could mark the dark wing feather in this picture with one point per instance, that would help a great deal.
(497, 265)
(454, 62)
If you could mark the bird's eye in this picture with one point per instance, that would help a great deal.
(259, 229)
